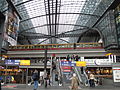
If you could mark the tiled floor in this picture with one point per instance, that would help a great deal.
(24, 87)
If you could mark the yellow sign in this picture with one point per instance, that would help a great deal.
(24, 62)
(80, 63)
(108, 54)
(4, 56)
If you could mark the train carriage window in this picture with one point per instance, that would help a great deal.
(59, 46)
(42, 46)
(22, 47)
(65, 46)
(71, 45)
(90, 45)
(95, 45)
(25, 47)
(77, 45)
(12, 47)
(34, 47)
(68, 46)
(50, 46)
(86, 45)
(80, 45)
(30, 47)
(19, 47)
(54, 46)
(83, 45)
(38, 47)
(99, 44)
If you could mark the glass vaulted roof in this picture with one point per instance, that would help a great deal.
(54, 21)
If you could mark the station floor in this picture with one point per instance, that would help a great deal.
(25, 87)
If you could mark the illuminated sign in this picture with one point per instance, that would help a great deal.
(67, 63)
(108, 54)
(80, 63)
(24, 62)
(12, 62)
(66, 67)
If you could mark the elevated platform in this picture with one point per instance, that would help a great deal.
(59, 53)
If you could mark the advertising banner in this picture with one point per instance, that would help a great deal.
(116, 74)
(25, 62)
(11, 26)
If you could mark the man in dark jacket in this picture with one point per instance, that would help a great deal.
(35, 78)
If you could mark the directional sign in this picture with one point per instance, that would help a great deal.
(67, 63)
(80, 63)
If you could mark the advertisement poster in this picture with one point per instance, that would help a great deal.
(116, 74)
(12, 26)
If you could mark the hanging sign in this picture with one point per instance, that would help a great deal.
(24, 62)
(81, 63)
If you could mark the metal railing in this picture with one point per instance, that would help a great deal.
(56, 46)
(82, 76)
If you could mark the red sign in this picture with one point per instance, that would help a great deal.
(66, 67)
(53, 55)
(65, 70)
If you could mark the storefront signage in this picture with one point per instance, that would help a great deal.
(98, 61)
(25, 62)
(81, 63)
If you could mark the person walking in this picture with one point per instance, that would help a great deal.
(91, 81)
(35, 78)
(74, 82)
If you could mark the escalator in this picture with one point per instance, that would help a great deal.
(82, 76)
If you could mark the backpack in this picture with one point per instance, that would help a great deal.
(56, 77)
(34, 76)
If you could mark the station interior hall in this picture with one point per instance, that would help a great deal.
(60, 44)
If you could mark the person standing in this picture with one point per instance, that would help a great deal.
(35, 78)
(74, 82)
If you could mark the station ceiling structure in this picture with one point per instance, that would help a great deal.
(57, 21)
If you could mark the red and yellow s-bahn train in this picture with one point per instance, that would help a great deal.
(56, 46)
